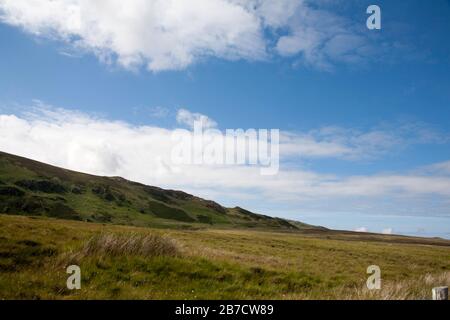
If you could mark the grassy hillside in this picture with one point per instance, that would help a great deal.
(29, 187)
(123, 262)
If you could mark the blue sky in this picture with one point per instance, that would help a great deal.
(380, 99)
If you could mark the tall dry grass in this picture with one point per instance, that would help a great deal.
(419, 289)
(115, 245)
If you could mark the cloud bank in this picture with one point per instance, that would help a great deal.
(142, 153)
(173, 34)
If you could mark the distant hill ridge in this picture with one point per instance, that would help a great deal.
(29, 187)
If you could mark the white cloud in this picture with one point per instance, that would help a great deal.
(187, 118)
(161, 34)
(322, 38)
(354, 144)
(143, 153)
(173, 34)
(158, 112)
(387, 231)
(361, 229)
(442, 168)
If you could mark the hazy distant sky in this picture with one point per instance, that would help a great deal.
(100, 86)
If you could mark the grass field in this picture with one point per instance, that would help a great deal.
(211, 263)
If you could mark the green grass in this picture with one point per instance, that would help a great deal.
(213, 263)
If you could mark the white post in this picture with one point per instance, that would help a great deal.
(440, 293)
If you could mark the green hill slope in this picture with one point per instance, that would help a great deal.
(29, 187)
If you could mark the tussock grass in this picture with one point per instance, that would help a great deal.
(144, 245)
(419, 289)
